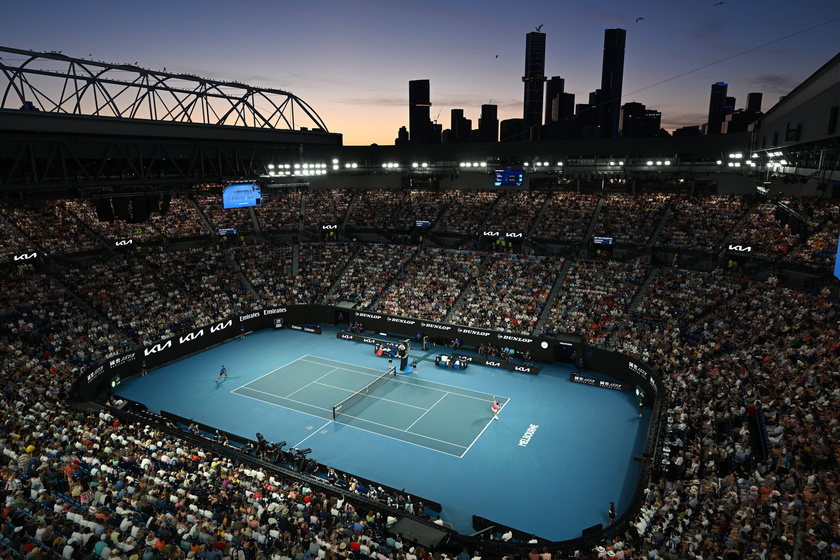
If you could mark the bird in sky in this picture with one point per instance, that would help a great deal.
(638, 19)
(721, 3)
(539, 27)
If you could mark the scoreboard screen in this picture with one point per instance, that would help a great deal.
(509, 177)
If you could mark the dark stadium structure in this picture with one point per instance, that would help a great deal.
(714, 259)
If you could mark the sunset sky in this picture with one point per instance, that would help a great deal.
(352, 60)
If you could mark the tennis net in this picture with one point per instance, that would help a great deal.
(359, 395)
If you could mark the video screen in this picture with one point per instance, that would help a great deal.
(509, 177)
(602, 240)
(423, 223)
(241, 196)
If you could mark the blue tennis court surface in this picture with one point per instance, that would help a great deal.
(424, 413)
(556, 444)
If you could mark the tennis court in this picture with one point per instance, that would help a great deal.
(425, 413)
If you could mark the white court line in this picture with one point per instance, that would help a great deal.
(308, 358)
(428, 385)
(369, 396)
(402, 440)
(411, 382)
(425, 413)
(314, 381)
(290, 400)
(484, 429)
(298, 444)
(270, 372)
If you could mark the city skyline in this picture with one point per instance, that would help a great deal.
(352, 61)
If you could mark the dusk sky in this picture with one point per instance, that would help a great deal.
(351, 60)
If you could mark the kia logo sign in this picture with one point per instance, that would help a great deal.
(515, 235)
(740, 248)
(123, 242)
(329, 226)
(192, 336)
(491, 234)
(221, 326)
(25, 256)
(157, 348)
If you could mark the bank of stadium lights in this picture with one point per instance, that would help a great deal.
(280, 169)
(416, 165)
(390, 165)
(473, 165)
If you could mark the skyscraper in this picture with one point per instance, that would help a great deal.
(419, 107)
(612, 79)
(534, 80)
(754, 102)
(717, 102)
(460, 127)
(639, 122)
(488, 123)
(553, 96)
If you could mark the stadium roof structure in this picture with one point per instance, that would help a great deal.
(70, 122)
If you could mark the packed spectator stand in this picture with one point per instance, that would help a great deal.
(747, 467)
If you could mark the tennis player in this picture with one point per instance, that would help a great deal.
(495, 407)
(222, 373)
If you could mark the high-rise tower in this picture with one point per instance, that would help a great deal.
(717, 102)
(488, 123)
(419, 107)
(553, 98)
(534, 80)
(612, 79)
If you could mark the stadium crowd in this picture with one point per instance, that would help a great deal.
(749, 460)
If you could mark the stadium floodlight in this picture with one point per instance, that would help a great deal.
(649, 162)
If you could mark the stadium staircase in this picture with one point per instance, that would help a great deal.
(340, 275)
(641, 293)
(591, 228)
(393, 276)
(549, 301)
(538, 218)
(204, 221)
(349, 211)
(467, 288)
(666, 215)
(236, 268)
(255, 221)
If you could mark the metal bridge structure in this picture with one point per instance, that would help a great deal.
(76, 124)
